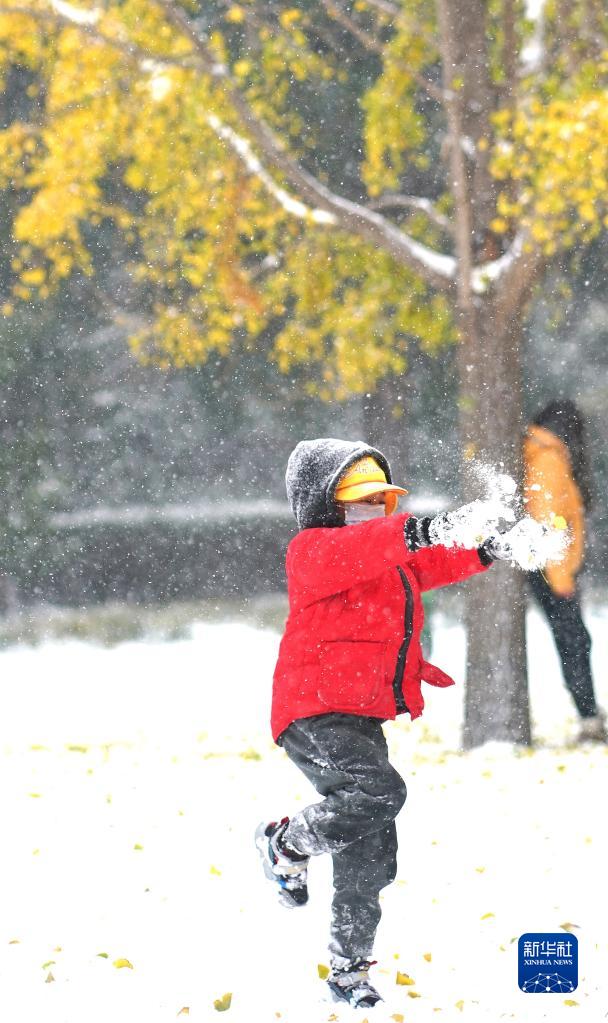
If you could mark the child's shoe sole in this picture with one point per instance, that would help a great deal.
(289, 893)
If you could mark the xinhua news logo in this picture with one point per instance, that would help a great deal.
(547, 963)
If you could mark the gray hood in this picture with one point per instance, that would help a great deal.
(313, 471)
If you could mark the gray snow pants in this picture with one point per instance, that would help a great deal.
(346, 759)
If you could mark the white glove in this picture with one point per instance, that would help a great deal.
(471, 524)
(529, 544)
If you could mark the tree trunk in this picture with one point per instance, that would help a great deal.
(496, 703)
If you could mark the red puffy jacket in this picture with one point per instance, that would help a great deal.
(352, 638)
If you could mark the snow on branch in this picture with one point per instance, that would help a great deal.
(437, 269)
(413, 202)
(325, 207)
(489, 273)
(75, 14)
(243, 149)
(532, 53)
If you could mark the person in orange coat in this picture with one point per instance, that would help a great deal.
(556, 485)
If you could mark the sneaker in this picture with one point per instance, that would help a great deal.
(593, 729)
(351, 984)
(285, 868)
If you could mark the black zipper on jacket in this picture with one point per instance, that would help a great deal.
(403, 649)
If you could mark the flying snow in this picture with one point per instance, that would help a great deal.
(528, 544)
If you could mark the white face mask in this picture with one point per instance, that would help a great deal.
(360, 511)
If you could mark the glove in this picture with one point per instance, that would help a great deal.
(471, 524)
(529, 544)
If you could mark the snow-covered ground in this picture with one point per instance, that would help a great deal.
(131, 781)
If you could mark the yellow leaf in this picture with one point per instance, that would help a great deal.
(287, 18)
(486, 916)
(323, 971)
(185, 1011)
(570, 1001)
(403, 978)
(413, 994)
(235, 14)
(569, 927)
(480, 870)
(223, 1004)
(428, 956)
(14, 941)
(49, 978)
(398, 1017)
(122, 964)
(213, 870)
(460, 1004)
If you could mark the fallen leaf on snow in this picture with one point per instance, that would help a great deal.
(480, 870)
(121, 964)
(102, 955)
(214, 870)
(413, 994)
(323, 971)
(185, 1011)
(398, 1017)
(223, 1003)
(49, 978)
(569, 927)
(403, 978)
(14, 941)
(570, 1001)
(138, 847)
(460, 1004)
(250, 754)
(486, 916)
(428, 956)
(50, 962)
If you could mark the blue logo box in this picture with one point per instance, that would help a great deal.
(547, 963)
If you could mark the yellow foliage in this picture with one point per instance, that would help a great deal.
(557, 153)
(394, 128)
(120, 140)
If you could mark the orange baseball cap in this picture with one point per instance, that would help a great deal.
(365, 478)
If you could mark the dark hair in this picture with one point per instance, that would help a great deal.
(563, 419)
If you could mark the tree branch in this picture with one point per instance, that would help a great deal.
(61, 17)
(413, 202)
(385, 7)
(369, 41)
(437, 269)
(463, 227)
(517, 280)
(375, 45)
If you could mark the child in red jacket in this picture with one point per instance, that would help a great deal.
(350, 658)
